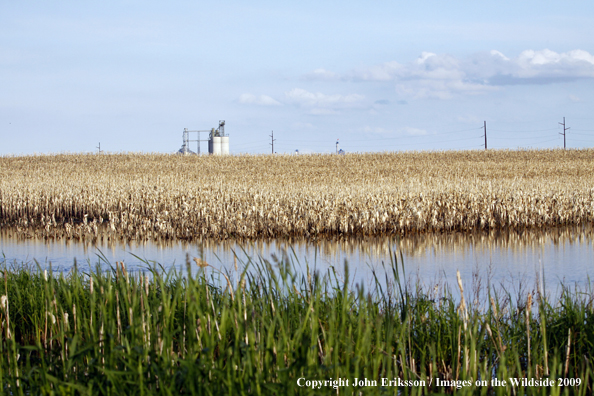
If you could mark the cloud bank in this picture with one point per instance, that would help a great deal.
(302, 97)
(442, 76)
(437, 76)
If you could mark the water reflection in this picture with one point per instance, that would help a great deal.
(561, 254)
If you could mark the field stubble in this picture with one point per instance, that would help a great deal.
(155, 196)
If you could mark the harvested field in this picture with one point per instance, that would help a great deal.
(155, 196)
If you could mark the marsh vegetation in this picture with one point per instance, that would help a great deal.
(260, 329)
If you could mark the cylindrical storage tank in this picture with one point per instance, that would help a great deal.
(225, 145)
(216, 145)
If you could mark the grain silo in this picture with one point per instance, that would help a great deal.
(225, 145)
(218, 142)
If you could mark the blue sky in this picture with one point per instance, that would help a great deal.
(378, 75)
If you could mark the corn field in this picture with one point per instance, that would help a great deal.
(171, 197)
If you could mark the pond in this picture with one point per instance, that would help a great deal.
(514, 259)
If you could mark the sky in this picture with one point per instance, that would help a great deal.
(375, 76)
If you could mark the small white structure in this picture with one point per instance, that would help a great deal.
(218, 142)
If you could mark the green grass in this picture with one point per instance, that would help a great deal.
(271, 327)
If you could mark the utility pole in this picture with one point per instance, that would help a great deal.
(273, 139)
(485, 126)
(99, 147)
(564, 130)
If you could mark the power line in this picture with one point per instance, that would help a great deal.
(525, 131)
(417, 136)
(440, 141)
(252, 144)
(390, 138)
(425, 139)
(515, 138)
(531, 143)
(581, 134)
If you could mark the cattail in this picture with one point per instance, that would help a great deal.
(4, 305)
(462, 307)
(494, 308)
(124, 272)
(74, 315)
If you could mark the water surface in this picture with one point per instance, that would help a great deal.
(547, 257)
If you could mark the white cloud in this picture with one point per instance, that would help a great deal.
(496, 53)
(549, 64)
(320, 103)
(262, 100)
(322, 74)
(384, 72)
(323, 111)
(442, 76)
(440, 88)
(315, 102)
(429, 76)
